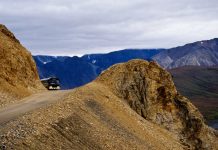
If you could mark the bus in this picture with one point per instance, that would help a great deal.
(51, 83)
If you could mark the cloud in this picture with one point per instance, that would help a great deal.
(69, 27)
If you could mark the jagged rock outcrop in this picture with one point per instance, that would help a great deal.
(18, 76)
(150, 91)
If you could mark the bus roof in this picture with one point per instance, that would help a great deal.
(45, 79)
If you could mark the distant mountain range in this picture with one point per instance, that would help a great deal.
(106, 60)
(77, 71)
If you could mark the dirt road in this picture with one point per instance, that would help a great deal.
(30, 103)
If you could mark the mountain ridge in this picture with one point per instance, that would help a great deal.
(203, 53)
(88, 66)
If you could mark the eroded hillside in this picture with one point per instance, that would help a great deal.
(133, 105)
(18, 75)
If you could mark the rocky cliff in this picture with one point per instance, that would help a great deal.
(150, 91)
(18, 76)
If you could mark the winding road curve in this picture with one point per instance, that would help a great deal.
(30, 103)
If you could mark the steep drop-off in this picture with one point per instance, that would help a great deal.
(132, 105)
(18, 75)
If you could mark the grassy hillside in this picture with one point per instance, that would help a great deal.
(200, 84)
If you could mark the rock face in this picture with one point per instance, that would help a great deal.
(18, 76)
(150, 91)
(202, 53)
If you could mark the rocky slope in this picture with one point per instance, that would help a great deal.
(91, 117)
(202, 53)
(132, 105)
(18, 76)
(150, 91)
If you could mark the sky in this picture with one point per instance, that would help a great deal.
(77, 27)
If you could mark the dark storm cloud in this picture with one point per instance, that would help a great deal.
(67, 27)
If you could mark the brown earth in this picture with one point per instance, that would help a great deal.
(30, 103)
(18, 76)
(130, 106)
(91, 117)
